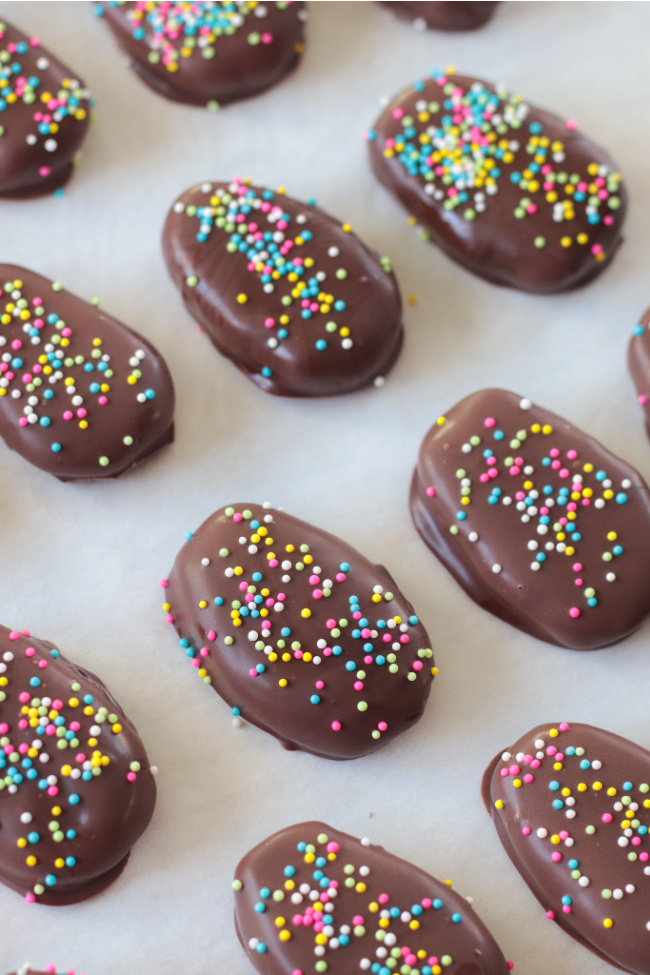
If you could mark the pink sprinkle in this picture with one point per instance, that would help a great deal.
(358, 685)
(504, 773)
(382, 726)
(563, 726)
(566, 908)
(644, 856)
(336, 725)
(252, 672)
(607, 817)
(23, 421)
(44, 171)
(330, 624)
(526, 830)
(579, 582)
(367, 660)
(571, 124)
(510, 965)
(68, 414)
(317, 594)
(82, 413)
(30, 898)
(14, 635)
(417, 665)
(273, 563)
(384, 898)
(340, 576)
(556, 857)
(489, 422)
(431, 492)
(643, 399)
(237, 516)
(102, 401)
(211, 635)
(131, 776)
(574, 612)
(528, 777)
(53, 790)
(577, 567)
(398, 112)
(320, 685)
(572, 454)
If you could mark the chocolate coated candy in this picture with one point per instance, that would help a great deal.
(639, 363)
(81, 395)
(76, 789)
(297, 302)
(299, 632)
(508, 190)
(570, 804)
(44, 116)
(444, 14)
(208, 53)
(358, 909)
(537, 522)
(51, 970)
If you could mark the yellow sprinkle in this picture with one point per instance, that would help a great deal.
(242, 299)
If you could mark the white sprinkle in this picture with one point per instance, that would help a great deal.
(525, 404)
(205, 561)
(473, 536)
(496, 568)
(542, 833)
(584, 881)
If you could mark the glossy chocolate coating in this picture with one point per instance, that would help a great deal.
(499, 485)
(40, 137)
(28, 970)
(544, 229)
(275, 880)
(304, 636)
(81, 792)
(298, 303)
(208, 53)
(638, 358)
(81, 395)
(570, 804)
(444, 14)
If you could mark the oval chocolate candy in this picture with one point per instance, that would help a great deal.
(538, 522)
(81, 395)
(511, 192)
(44, 116)
(208, 53)
(51, 970)
(286, 292)
(76, 789)
(571, 807)
(298, 632)
(638, 358)
(361, 909)
(443, 14)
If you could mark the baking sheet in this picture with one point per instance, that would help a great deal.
(81, 563)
